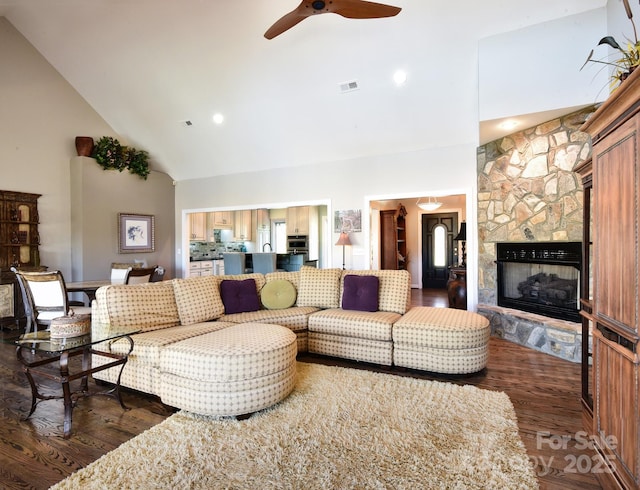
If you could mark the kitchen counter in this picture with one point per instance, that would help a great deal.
(285, 261)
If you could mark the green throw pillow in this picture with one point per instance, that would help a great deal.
(278, 294)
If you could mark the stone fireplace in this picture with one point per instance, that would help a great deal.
(529, 194)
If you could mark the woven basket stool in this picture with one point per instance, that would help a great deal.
(234, 371)
(441, 340)
(72, 325)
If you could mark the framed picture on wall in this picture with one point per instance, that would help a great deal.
(136, 233)
(349, 220)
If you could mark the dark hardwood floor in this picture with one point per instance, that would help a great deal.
(544, 390)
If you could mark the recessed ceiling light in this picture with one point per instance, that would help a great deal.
(218, 118)
(508, 124)
(400, 77)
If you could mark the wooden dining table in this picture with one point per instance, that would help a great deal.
(87, 287)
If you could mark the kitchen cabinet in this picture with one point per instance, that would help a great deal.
(194, 269)
(197, 226)
(263, 221)
(222, 219)
(613, 305)
(218, 267)
(201, 268)
(206, 268)
(298, 220)
(242, 225)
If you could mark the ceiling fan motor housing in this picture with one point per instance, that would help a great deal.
(318, 5)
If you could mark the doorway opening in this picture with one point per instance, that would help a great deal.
(455, 202)
(279, 236)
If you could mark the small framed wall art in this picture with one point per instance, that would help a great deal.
(136, 233)
(349, 221)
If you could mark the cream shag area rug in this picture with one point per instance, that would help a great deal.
(340, 428)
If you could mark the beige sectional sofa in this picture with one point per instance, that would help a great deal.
(308, 303)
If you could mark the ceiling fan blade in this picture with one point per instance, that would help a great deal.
(352, 9)
(359, 9)
(287, 21)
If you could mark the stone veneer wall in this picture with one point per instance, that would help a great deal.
(528, 192)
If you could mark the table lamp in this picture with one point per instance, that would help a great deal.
(462, 237)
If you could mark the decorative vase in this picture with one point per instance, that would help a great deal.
(84, 146)
(457, 288)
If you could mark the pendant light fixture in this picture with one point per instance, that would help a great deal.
(431, 205)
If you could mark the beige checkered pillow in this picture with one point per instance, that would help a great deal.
(259, 278)
(145, 307)
(319, 287)
(293, 277)
(198, 299)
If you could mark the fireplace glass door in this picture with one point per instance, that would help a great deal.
(555, 285)
(540, 280)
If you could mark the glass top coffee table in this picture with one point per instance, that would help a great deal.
(36, 350)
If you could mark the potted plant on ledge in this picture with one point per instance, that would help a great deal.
(110, 154)
(630, 56)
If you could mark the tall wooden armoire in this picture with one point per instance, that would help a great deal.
(612, 209)
(19, 247)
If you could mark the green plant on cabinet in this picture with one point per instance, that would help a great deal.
(110, 154)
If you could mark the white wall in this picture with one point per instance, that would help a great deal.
(618, 26)
(537, 68)
(40, 116)
(344, 184)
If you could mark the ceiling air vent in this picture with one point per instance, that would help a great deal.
(349, 86)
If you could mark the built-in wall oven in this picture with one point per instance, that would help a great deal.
(298, 244)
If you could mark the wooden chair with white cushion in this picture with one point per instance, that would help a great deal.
(158, 275)
(119, 271)
(140, 276)
(44, 296)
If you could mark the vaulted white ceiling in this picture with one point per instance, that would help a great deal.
(147, 66)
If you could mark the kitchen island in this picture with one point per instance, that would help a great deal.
(214, 265)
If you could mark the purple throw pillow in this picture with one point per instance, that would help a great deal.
(239, 296)
(360, 293)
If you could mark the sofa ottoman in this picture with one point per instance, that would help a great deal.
(234, 371)
(441, 340)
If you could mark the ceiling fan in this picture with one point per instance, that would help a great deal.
(352, 9)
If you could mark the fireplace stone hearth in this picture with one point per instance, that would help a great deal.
(559, 338)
